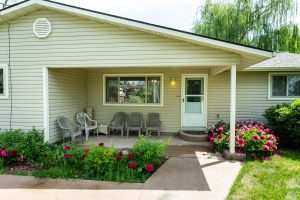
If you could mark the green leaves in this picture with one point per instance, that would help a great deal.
(261, 23)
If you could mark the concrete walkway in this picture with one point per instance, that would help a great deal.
(190, 176)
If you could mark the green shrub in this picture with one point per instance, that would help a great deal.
(285, 120)
(99, 160)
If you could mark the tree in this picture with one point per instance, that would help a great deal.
(260, 23)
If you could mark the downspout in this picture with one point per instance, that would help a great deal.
(9, 70)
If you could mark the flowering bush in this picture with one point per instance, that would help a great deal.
(251, 137)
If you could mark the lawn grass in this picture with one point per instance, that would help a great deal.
(278, 178)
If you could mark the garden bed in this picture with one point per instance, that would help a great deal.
(28, 155)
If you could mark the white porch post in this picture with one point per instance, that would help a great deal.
(232, 108)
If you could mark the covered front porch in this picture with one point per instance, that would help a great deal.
(71, 90)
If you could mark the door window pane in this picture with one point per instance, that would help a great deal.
(294, 85)
(279, 85)
(133, 89)
(193, 104)
(194, 86)
(153, 90)
(112, 90)
(1, 82)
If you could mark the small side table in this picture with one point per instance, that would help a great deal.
(103, 129)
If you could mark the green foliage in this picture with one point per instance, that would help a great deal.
(260, 23)
(57, 172)
(285, 120)
(149, 152)
(99, 160)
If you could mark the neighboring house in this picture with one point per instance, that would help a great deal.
(57, 59)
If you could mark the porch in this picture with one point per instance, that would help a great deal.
(71, 90)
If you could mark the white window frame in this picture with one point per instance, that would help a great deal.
(270, 97)
(5, 94)
(134, 75)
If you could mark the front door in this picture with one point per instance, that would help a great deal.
(193, 101)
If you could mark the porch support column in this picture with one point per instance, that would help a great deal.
(232, 108)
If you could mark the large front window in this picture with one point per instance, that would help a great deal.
(133, 89)
(284, 85)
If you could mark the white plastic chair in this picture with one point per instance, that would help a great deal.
(86, 124)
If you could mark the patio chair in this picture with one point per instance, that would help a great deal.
(70, 130)
(135, 122)
(118, 122)
(86, 124)
(153, 123)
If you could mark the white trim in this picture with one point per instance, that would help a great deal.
(145, 27)
(5, 94)
(270, 69)
(183, 76)
(133, 75)
(46, 32)
(287, 98)
(232, 108)
(46, 105)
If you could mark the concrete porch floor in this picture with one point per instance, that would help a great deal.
(125, 142)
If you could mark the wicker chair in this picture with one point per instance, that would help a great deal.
(86, 124)
(135, 122)
(153, 123)
(118, 122)
(69, 129)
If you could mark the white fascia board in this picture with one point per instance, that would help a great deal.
(271, 69)
(147, 28)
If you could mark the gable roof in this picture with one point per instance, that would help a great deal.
(282, 61)
(28, 6)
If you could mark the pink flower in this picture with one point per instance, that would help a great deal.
(68, 156)
(21, 158)
(66, 147)
(241, 141)
(267, 130)
(277, 139)
(237, 138)
(215, 134)
(270, 137)
(269, 143)
(4, 153)
(255, 137)
(130, 156)
(118, 157)
(262, 137)
(212, 139)
(132, 165)
(274, 147)
(236, 130)
(14, 152)
(242, 134)
(220, 129)
(276, 154)
(220, 136)
(149, 167)
(265, 148)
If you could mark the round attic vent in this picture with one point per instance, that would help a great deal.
(42, 27)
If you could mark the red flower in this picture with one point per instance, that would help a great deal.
(262, 137)
(269, 143)
(208, 136)
(66, 147)
(21, 158)
(149, 167)
(130, 156)
(220, 136)
(220, 129)
(274, 147)
(267, 130)
(14, 152)
(212, 139)
(120, 153)
(68, 156)
(265, 148)
(236, 130)
(4, 153)
(237, 138)
(132, 165)
(241, 141)
(101, 144)
(255, 137)
(277, 139)
(118, 157)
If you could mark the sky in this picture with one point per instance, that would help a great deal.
(179, 14)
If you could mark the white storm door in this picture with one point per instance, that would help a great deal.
(193, 101)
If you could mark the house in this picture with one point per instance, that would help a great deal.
(57, 59)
